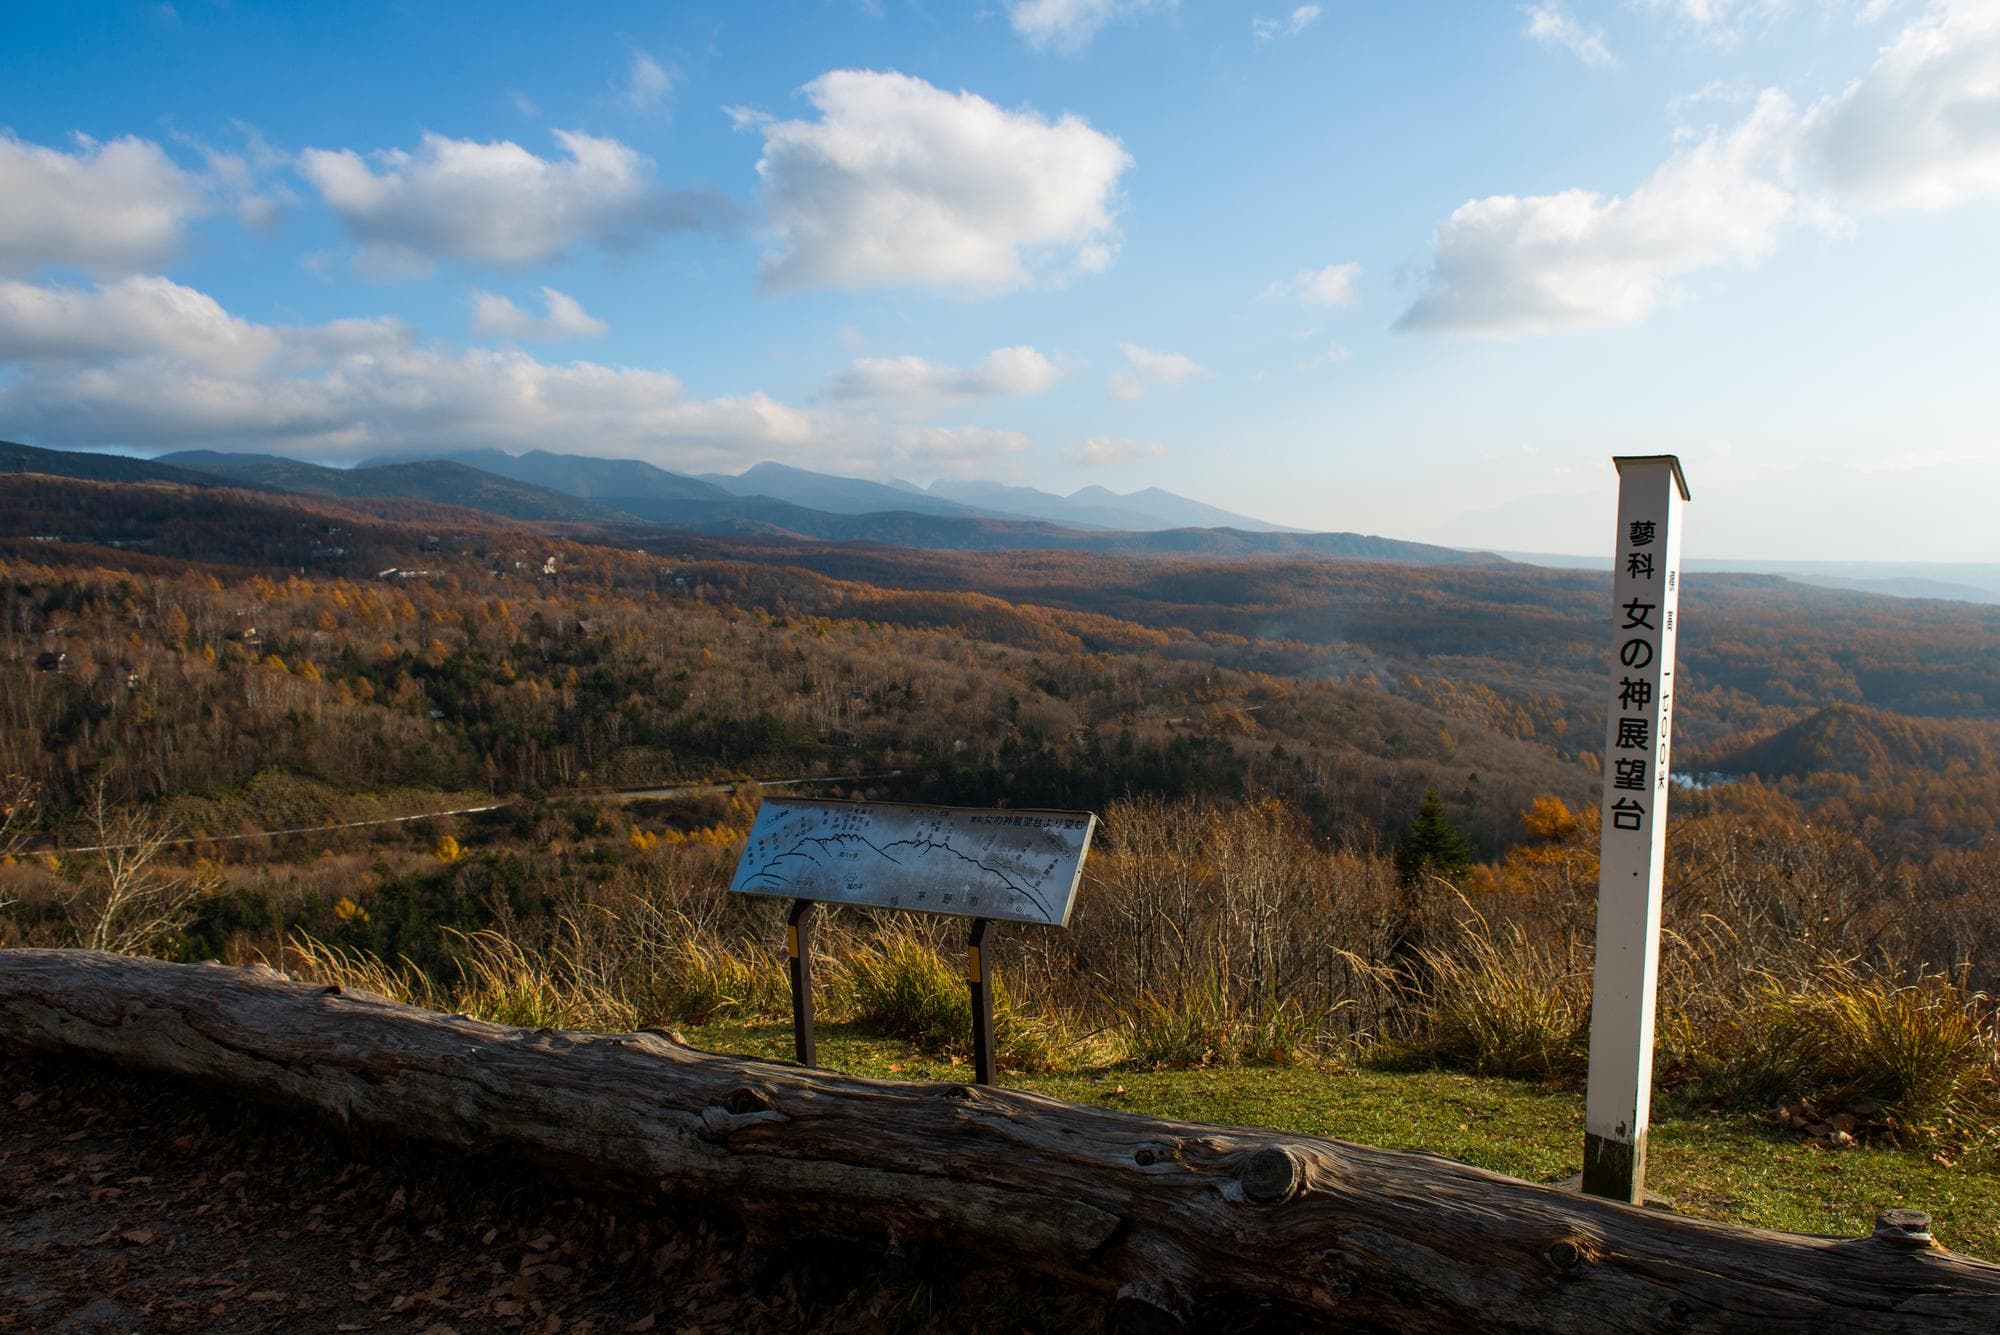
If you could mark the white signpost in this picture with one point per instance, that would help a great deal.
(1645, 602)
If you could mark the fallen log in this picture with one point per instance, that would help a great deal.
(1183, 1223)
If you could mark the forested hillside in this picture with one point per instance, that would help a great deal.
(215, 635)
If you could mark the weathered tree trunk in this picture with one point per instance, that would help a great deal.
(1180, 1221)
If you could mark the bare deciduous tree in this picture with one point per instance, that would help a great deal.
(125, 900)
(19, 798)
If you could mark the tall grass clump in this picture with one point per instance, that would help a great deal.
(1500, 1002)
(1202, 1026)
(558, 988)
(354, 970)
(706, 978)
(901, 985)
(1926, 1051)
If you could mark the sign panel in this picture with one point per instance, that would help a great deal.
(1016, 866)
(1645, 605)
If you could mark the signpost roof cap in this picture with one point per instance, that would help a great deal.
(1672, 461)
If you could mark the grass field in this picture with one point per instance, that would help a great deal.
(1710, 1166)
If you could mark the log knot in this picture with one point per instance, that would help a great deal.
(1903, 1228)
(744, 1100)
(1570, 1255)
(1273, 1174)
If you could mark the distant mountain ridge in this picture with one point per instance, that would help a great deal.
(438, 481)
(549, 487)
(841, 495)
(1146, 510)
(612, 481)
(88, 467)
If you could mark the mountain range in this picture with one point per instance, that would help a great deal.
(770, 500)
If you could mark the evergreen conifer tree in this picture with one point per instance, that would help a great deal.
(1432, 845)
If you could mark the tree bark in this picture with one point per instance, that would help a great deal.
(1185, 1224)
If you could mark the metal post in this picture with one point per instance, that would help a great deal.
(798, 942)
(1645, 600)
(979, 979)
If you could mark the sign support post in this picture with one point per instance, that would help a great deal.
(798, 944)
(1632, 847)
(979, 978)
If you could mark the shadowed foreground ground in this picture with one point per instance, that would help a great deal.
(133, 1205)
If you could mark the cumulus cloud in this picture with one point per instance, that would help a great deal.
(1921, 129)
(1331, 286)
(500, 204)
(963, 450)
(1291, 25)
(148, 361)
(1108, 451)
(106, 207)
(1017, 370)
(1719, 21)
(1549, 25)
(900, 183)
(1068, 25)
(1508, 265)
(131, 317)
(1152, 368)
(647, 83)
(494, 316)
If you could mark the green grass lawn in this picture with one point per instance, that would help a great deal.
(1710, 1166)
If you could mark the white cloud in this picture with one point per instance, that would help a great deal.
(1719, 21)
(1017, 370)
(1507, 265)
(1331, 286)
(243, 178)
(494, 316)
(498, 203)
(131, 317)
(1068, 25)
(965, 450)
(106, 207)
(1549, 25)
(1152, 368)
(1107, 451)
(647, 83)
(1921, 129)
(901, 183)
(147, 361)
(1334, 355)
(1291, 25)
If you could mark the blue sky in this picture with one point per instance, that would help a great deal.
(1413, 270)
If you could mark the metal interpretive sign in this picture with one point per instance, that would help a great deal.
(1645, 605)
(1015, 866)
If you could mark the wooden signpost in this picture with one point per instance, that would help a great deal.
(1645, 603)
(990, 866)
